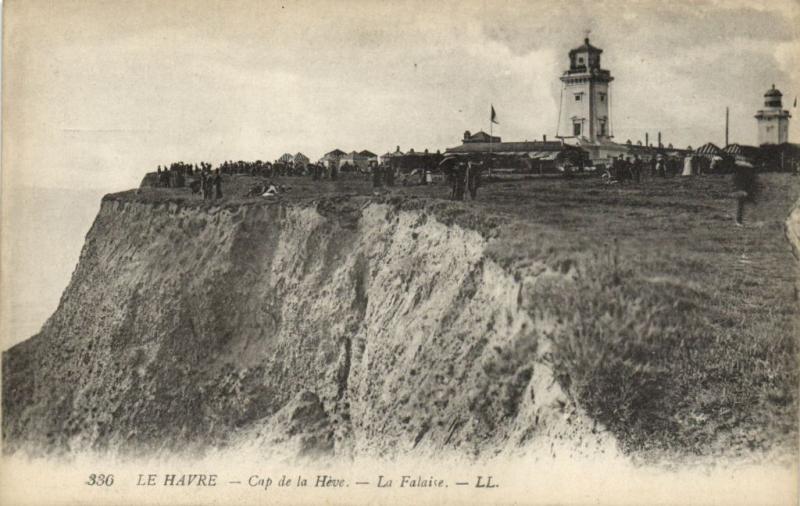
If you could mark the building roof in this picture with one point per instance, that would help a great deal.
(586, 47)
(335, 152)
(739, 149)
(482, 137)
(508, 147)
(286, 157)
(300, 156)
(368, 154)
(773, 92)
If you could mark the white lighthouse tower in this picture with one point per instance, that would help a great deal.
(584, 114)
(773, 120)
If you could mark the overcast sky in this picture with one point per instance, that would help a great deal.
(96, 93)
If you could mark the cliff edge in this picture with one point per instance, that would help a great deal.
(335, 327)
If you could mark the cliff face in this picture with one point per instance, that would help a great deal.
(342, 328)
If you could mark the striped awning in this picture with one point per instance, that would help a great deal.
(709, 149)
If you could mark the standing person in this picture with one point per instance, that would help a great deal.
(744, 187)
(688, 166)
(377, 175)
(629, 174)
(459, 173)
(217, 185)
(474, 179)
(461, 176)
(618, 166)
(387, 174)
(637, 169)
(203, 184)
(450, 178)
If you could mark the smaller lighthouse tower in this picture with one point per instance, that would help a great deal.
(773, 120)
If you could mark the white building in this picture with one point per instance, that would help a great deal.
(585, 97)
(773, 120)
(585, 110)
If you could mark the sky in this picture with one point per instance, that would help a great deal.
(98, 92)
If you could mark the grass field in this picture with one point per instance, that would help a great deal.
(678, 330)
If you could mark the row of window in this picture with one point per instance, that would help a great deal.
(577, 128)
(579, 97)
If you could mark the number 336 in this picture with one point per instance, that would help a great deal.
(100, 480)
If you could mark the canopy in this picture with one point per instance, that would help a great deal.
(734, 149)
(709, 149)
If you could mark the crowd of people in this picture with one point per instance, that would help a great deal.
(632, 168)
(463, 177)
(267, 169)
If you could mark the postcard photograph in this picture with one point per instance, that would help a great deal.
(410, 252)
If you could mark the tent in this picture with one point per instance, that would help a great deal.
(709, 150)
(740, 151)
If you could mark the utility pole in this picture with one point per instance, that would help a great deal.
(726, 126)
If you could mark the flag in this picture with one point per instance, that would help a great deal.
(494, 117)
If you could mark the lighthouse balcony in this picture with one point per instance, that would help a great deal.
(596, 75)
(773, 113)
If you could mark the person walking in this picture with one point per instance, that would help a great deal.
(744, 187)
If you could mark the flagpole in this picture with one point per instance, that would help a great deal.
(491, 135)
